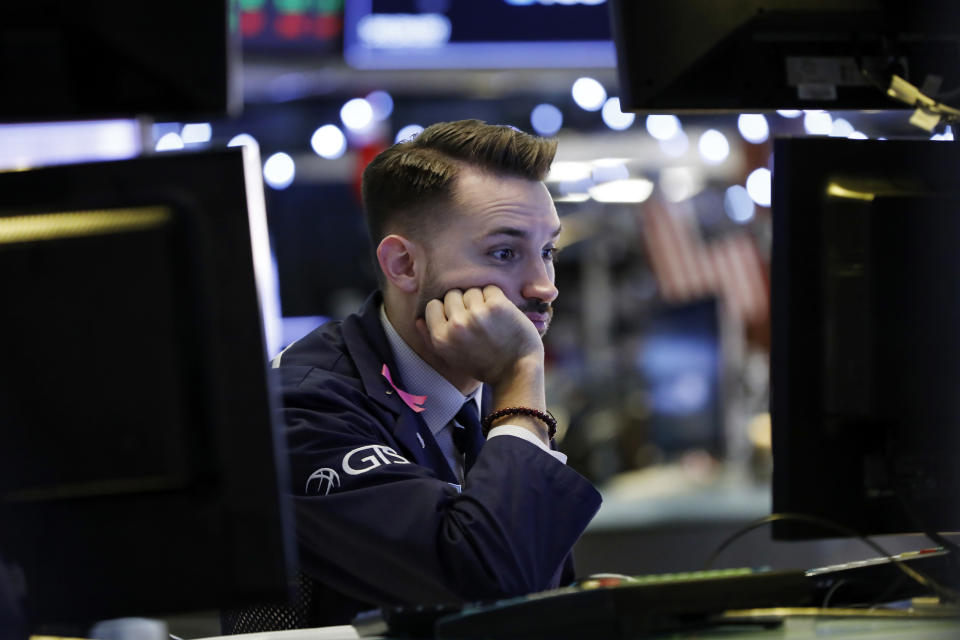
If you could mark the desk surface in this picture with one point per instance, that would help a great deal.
(794, 628)
(345, 632)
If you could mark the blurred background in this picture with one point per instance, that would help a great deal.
(659, 352)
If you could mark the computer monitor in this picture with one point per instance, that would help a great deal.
(865, 357)
(65, 60)
(141, 473)
(756, 55)
(682, 362)
(482, 34)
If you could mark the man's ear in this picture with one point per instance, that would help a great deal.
(400, 260)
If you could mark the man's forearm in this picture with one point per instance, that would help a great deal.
(523, 386)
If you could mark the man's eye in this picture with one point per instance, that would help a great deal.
(550, 253)
(503, 254)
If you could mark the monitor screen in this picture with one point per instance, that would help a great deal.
(63, 60)
(865, 353)
(140, 469)
(681, 360)
(756, 55)
(485, 34)
(279, 27)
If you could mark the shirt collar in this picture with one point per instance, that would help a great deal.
(443, 399)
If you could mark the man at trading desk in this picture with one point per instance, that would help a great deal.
(400, 495)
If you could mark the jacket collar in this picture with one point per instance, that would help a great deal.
(368, 347)
(367, 344)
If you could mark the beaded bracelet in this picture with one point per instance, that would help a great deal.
(544, 416)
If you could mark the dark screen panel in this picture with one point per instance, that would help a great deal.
(63, 60)
(754, 55)
(865, 354)
(142, 471)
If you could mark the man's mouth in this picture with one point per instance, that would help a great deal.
(539, 320)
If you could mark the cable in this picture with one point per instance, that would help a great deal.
(830, 592)
(945, 593)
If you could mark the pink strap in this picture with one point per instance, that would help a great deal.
(412, 401)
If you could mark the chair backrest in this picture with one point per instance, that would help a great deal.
(298, 613)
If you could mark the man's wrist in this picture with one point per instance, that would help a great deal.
(544, 418)
(535, 426)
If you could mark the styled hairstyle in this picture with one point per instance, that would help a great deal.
(407, 185)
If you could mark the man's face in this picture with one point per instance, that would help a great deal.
(504, 233)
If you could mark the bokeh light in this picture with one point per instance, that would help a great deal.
(713, 146)
(589, 94)
(663, 127)
(357, 114)
(546, 119)
(738, 204)
(758, 186)
(279, 170)
(753, 127)
(409, 132)
(328, 142)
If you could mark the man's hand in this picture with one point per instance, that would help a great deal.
(482, 333)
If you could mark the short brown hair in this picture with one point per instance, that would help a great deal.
(404, 185)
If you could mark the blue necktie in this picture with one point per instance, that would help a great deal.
(468, 437)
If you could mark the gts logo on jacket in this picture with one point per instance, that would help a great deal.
(354, 463)
(368, 458)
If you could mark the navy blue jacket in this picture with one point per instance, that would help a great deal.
(379, 518)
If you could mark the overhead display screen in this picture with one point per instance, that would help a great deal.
(492, 34)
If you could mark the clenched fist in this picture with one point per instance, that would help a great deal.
(481, 332)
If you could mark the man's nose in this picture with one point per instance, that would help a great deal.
(539, 284)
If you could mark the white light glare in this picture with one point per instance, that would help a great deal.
(408, 132)
(713, 146)
(196, 132)
(382, 104)
(632, 190)
(817, 123)
(357, 114)
(404, 30)
(753, 127)
(243, 140)
(569, 171)
(758, 186)
(663, 127)
(789, 113)
(169, 142)
(279, 170)
(546, 119)
(328, 142)
(738, 204)
(588, 94)
(614, 118)
(858, 135)
(841, 128)
(32, 145)
(946, 135)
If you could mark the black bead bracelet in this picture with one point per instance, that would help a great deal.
(544, 416)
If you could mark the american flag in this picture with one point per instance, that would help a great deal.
(687, 267)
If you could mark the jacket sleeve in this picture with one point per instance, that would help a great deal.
(380, 528)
